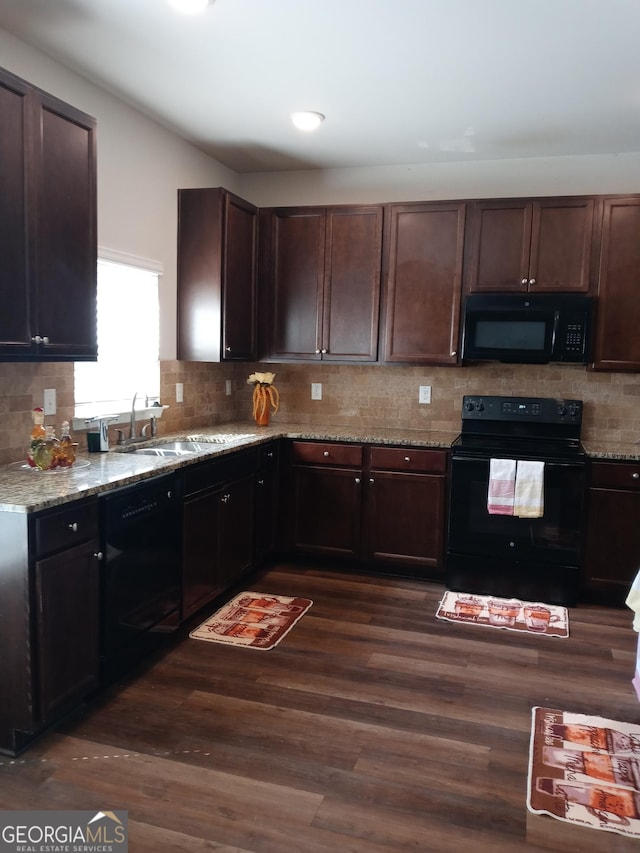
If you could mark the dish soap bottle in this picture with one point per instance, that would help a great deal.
(38, 436)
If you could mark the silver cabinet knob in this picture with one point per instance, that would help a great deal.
(45, 340)
(357, 479)
(317, 352)
(323, 351)
(532, 281)
(453, 353)
(228, 349)
(371, 480)
(326, 453)
(524, 281)
(407, 459)
(73, 526)
(99, 555)
(635, 475)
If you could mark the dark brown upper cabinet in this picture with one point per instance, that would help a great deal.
(617, 341)
(48, 243)
(425, 245)
(217, 263)
(322, 268)
(537, 245)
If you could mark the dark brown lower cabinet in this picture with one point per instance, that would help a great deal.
(49, 617)
(266, 521)
(612, 557)
(405, 507)
(218, 528)
(377, 505)
(326, 518)
(67, 595)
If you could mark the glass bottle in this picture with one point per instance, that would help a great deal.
(65, 451)
(38, 436)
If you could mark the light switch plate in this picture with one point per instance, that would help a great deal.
(179, 392)
(425, 394)
(316, 390)
(49, 404)
(227, 387)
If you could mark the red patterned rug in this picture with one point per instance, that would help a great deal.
(254, 620)
(531, 617)
(585, 770)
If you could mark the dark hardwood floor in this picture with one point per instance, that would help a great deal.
(372, 727)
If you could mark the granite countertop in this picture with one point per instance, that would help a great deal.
(619, 451)
(28, 490)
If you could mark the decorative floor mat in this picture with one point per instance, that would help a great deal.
(528, 616)
(585, 770)
(255, 620)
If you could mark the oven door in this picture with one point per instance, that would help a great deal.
(555, 538)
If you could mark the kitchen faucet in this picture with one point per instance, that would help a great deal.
(132, 431)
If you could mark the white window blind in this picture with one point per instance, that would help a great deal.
(128, 343)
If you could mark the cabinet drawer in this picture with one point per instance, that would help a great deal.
(409, 459)
(56, 530)
(325, 453)
(615, 475)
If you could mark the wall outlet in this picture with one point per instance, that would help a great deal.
(179, 392)
(425, 394)
(316, 390)
(227, 387)
(49, 404)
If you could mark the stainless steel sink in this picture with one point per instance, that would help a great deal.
(173, 448)
(190, 446)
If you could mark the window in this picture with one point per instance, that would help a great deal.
(128, 342)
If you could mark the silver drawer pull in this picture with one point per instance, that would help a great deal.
(326, 453)
(73, 526)
(635, 475)
(99, 555)
(357, 479)
(407, 459)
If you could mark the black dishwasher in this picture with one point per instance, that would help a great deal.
(141, 542)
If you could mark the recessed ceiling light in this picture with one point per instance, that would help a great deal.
(190, 7)
(307, 120)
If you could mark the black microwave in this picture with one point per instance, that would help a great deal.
(532, 328)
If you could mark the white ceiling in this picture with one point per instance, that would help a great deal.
(400, 81)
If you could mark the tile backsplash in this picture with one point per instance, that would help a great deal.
(352, 395)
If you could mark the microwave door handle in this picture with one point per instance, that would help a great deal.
(555, 331)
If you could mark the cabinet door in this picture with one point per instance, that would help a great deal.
(235, 531)
(612, 554)
(200, 552)
(65, 265)
(353, 261)
(424, 283)
(217, 257)
(405, 518)
(296, 279)
(499, 245)
(266, 519)
(325, 506)
(561, 245)
(15, 325)
(239, 271)
(617, 344)
(67, 617)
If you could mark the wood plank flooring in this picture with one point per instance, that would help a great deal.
(372, 727)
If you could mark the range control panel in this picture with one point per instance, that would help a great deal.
(546, 410)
